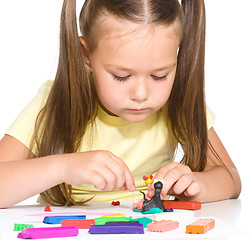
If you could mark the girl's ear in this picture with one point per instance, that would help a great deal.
(85, 51)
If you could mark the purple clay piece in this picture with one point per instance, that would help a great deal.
(135, 228)
(169, 210)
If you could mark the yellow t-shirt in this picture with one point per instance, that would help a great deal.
(142, 146)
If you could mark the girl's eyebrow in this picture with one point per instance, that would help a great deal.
(121, 68)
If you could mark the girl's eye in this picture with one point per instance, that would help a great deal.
(120, 79)
(159, 78)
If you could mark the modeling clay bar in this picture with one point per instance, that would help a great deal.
(47, 214)
(187, 205)
(135, 228)
(113, 223)
(114, 215)
(52, 232)
(79, 223)
(103, 220)
(20, 227)
(200, 226)
(58, 219)
(163, 226)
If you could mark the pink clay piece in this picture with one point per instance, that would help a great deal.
(138, 204)
(162, 226)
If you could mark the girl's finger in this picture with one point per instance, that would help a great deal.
(193, 189)
(171, 177)
(119, 173)
(129, 180)
(97, 180)
(183, 183)
(123, 188)
(108, 176)
(163, 171)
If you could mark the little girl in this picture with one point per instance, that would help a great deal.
(127, 94)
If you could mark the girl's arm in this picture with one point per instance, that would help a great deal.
(22, 175)
(216, 182)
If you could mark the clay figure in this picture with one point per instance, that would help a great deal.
(155, 201)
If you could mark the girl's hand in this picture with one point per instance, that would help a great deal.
(103, 169)
(179, 181)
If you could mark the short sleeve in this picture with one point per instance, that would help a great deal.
(210, 118)
(23, 127)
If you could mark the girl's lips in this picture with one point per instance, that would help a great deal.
(138, 110)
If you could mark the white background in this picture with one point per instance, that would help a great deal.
(29, 39)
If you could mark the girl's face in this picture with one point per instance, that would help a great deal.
(134, 67)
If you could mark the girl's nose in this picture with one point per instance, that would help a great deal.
(139, 92)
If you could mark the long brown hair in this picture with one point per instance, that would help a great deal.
(72, 102)
(186, 105)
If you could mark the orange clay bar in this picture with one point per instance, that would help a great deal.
(187, 205)
(200, 226)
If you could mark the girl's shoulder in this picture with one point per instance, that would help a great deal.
(46, 87)
(28, 116)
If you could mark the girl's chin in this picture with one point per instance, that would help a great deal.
(135, 118)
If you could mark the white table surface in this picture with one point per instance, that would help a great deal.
(232, 220)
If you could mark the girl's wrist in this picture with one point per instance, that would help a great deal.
(57, 166)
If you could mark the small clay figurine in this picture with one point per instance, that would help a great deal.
(155, 201)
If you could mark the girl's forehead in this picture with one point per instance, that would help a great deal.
(114, 28)
(132, 45)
